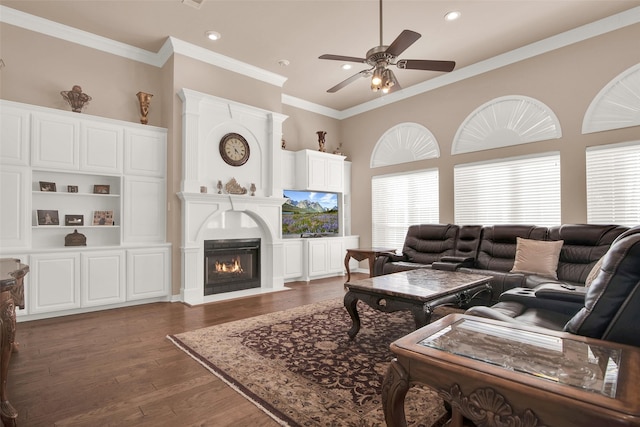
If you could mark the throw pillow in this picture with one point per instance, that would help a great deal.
(593, 273)
(539, 257)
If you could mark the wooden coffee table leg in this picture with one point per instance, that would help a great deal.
(394, 390)
(350, 303)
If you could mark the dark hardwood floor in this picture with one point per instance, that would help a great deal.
(116, 367)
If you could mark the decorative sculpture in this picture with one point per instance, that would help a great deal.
(145, 100)
(76, 99)
(321, 134)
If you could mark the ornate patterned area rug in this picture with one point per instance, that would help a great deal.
(300, 367)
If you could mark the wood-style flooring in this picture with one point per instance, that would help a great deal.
(116, 367)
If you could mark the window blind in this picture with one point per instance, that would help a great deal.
(613, 184)
(522, 190)
(401, 200)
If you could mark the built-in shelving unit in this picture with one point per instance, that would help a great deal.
(96, 165)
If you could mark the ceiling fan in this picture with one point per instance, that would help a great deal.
(380, 57)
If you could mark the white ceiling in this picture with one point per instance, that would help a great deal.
(262, 32)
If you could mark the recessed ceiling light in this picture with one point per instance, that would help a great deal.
(346, 67)
(213, 35)
(452, 16)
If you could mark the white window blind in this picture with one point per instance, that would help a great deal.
(613, 184)
(522, 190)
(401, 200)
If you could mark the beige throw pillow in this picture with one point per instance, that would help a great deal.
(537, 257)
(593, 273)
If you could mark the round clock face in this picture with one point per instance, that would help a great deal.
(234, 149)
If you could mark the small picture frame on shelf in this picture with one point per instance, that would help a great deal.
(101, 189)
(48, 186)
(48, 217)
(74, 220)
(103, 218)
(72, 188)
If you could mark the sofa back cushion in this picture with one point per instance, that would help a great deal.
(584, 245)
(427, 243)
(468, 241)
(498, 244)
(612, 301)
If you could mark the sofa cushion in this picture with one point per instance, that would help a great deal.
(593, 273)
(426, 243)
(498, 245)
(537, 257)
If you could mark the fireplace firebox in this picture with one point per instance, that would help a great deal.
(231, 265)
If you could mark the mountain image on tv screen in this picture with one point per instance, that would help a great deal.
(309, 212)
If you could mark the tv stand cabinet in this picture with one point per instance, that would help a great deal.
(314, 258)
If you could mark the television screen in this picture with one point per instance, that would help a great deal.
(310, 212)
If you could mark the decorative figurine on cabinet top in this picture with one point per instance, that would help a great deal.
(321, 134)
(145, 100)
(75, 239)
(76, 99)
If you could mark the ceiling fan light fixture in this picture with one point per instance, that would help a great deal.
(376, 80)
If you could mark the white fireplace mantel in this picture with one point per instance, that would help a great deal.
(207, 216)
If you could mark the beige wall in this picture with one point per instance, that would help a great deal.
(39, 67)
(566, 80)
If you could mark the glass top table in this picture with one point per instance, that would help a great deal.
(562, 360)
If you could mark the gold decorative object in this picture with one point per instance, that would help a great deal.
(75, 239)
(232, 187)
(76, 99)
(338, 150)
(321, 134)
(219, 186)
(145, 100)
(253, 189)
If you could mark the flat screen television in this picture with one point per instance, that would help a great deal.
(310, 214)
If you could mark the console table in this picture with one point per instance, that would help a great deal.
(493, 373)
(12, 273)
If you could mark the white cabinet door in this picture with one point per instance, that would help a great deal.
(101, 147)
(293, 260)
(145, 152)
(144, 210)
(319, 171)
(103, 278)
(14, 135)
(335, 255)
(317, 259)
(15, 217)
(335, 175)
(54, 282)
(148, 273)
(55, 142)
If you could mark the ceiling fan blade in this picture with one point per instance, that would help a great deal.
(343, 58)
(402, 42)
(351, 79)
(425, 64)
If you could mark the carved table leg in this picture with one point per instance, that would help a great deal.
(394, 390)
(347, 258)
(8, 414)
(350, 303)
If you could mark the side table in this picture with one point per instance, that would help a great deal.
(361, 254)
(12, 273)
(494, 373)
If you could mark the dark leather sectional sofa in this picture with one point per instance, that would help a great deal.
(492, 250)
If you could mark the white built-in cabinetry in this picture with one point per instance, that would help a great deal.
(122, 262)
(312, 258)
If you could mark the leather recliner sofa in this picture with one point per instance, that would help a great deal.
(492, 249)
(609, 307)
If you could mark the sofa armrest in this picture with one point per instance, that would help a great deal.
(460, 260)
(528, 297)
(382, 259)
(561, 292)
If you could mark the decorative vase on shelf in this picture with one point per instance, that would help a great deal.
(76, 99)
(321, 134)
(145, 100)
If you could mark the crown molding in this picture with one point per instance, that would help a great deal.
(173, 45)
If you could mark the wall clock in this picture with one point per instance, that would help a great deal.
(234, 149)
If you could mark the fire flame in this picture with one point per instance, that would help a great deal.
(231, 267)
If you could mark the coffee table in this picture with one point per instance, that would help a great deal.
(418, 291)
(494, 373)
